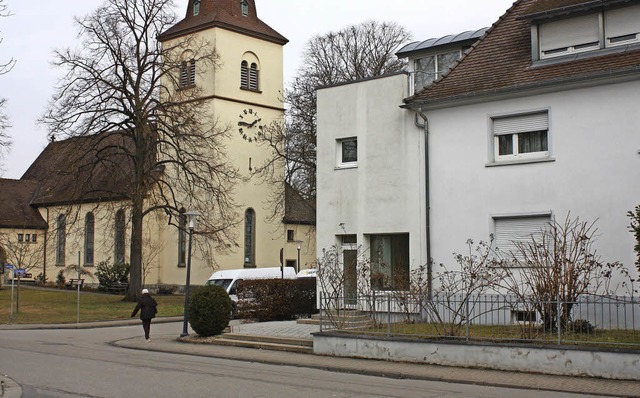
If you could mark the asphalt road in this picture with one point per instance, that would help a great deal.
(81, 363)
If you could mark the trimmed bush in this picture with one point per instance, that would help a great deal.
(209, 310)
(277, 299)
(112, 274)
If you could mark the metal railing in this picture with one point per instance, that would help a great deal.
(605, 321)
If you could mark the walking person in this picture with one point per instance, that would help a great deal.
(148, 308)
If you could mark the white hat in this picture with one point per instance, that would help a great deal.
(145, 291)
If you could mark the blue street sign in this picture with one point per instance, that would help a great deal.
(19, 271)
(8, 266)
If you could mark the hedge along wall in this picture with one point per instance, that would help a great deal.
(277, 299)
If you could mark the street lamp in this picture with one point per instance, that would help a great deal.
(298, 242)
(192, 217)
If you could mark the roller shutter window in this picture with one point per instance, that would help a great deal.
(622, 26)
(568, 36)
(511, 230)
(521, 137)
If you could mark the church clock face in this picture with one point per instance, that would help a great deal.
(248, 119)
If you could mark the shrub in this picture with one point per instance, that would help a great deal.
(110, 274)
(582, 326)
(209, 310)
(60, 279)
(277, 299)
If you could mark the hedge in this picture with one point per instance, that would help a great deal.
(277, 299)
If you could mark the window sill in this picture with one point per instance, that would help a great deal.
(516, 162)
(251, 89)
(186, 87)
(346, 166)
(182, 265)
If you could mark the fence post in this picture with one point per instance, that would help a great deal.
(388, 315)
(320, 311)
(559, 323)
(466, 305)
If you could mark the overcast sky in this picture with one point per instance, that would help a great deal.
(39, 26)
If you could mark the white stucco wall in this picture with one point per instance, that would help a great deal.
(384, 193)
(594, 137)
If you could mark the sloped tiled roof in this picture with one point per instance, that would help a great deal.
(15, 211)
(82, 169)
(501, 62)
(225, 14)
(297, 210)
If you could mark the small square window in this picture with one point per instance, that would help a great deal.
(20, 238)
(521, 137)
(290, 235)
(33, 238)
(347, 152)
(27, 238)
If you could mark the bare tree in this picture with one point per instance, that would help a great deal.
(154, 137)
(634, 228)
(5, 142)
(556, 266)
(355, 52)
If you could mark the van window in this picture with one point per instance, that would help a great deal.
(234, 287)
(220, 282)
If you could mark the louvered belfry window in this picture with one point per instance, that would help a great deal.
(188, 73)
(253, 77)
(244, 75)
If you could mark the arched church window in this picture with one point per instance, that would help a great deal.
(253, 77)
(244, 75)
(188, 73)
(249, 238)
(119, 238)
(61, 239)
(89, 229)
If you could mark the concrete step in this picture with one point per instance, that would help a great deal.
(236, 341)
(269, 339)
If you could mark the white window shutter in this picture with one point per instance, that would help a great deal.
(569, 32)
(521, 123)
(511, 230)
(622, 21)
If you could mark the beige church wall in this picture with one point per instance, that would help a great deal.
(27, 254)
(306, 234)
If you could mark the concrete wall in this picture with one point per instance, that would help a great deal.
(552, 360)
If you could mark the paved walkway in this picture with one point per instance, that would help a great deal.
(170, 344)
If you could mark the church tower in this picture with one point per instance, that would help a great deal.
(244, 91)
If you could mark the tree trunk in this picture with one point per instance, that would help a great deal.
(135, 273)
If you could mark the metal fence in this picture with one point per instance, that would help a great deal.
(612, 321)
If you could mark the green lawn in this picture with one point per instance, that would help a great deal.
(49, 306)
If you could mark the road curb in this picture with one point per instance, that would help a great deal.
(9, 388)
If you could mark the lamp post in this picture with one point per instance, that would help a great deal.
(192, 217)
(298, 242)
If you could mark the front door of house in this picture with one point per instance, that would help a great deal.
(349, 258)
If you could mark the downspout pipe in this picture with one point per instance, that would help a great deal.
(424, 124)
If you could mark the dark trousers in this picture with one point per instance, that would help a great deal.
(146, 325)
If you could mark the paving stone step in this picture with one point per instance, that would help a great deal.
(269, 339)
(263, 345)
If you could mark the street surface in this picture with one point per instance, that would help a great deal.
(81, 363)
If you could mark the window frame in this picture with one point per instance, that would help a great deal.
(244, 8)
(187, 78)
(196, 7)
(520, 124)
(396, 281)
(340, 161)
(548, 217)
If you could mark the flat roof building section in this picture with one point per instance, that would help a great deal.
(441, 41)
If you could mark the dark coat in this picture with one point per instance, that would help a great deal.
(147, 307)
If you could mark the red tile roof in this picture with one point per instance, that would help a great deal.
(297, 210)
(225, 14)
(82, 169)
(501, 62)
(15, 211)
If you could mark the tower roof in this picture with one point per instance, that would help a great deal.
(226, 14)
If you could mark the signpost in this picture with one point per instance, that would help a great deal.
(10, 267)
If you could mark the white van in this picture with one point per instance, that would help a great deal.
(230, 278)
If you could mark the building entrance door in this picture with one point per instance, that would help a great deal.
(349, 258)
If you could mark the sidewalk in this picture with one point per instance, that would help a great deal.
(398, 370)
(170, 344)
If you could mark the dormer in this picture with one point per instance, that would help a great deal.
(429, 60)
(567, 30)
